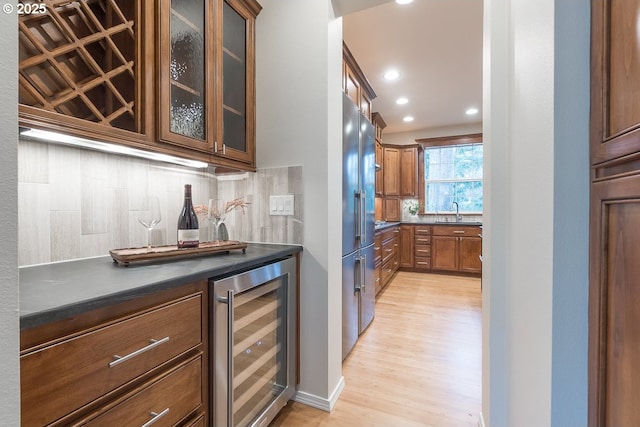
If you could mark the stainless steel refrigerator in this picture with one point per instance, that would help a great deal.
(358, 204)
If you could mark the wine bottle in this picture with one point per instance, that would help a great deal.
(188, 232)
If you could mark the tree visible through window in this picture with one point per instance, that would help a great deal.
(453, 174)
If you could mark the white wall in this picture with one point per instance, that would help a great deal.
(9, 321)
(535, 135)
(299, 118)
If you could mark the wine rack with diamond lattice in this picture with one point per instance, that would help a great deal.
(79, 59)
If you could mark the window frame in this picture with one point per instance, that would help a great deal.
(474, 138)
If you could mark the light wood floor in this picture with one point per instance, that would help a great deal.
(418, 364)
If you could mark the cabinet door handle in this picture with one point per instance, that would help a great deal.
(215, 146)
(156, 416)
(224, 149)
(152, 344)
(458, 231)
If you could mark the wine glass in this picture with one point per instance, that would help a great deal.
(149, 216)
(216, 216)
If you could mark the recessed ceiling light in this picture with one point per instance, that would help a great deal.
(391, 75)
(408, 119)
(404, 1)
(402, 101)
(471, 111)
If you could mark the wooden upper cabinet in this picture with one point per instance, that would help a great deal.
(207, 84)
(408, 172)
(615, 83)
(391, 174)
(379, 125)
(236, 116)
(177, 78)
(355, 83)
(187, 61)
(84, 70)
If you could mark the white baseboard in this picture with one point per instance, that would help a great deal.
(319, 402)
(481, 421)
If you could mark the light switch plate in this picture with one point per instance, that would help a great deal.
(281, 205)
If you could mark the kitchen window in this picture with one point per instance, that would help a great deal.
(453, 173)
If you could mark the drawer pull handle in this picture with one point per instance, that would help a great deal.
(156, 416)
(152, 344)
(458, 231)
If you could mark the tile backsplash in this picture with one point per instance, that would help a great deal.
(75, 203)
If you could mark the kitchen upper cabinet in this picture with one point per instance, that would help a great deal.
(355, 83)
(408, 171)
(177, 78)
(207, 84)
(391, 209)
(391, 174)
(187, 61)
(85, 69)
(379, 125)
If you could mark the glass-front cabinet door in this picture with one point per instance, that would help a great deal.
(186, 86)
(236, 115)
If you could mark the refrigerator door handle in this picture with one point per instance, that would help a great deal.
(363, 216)
(357, 272)
(358, 214)
(363, 268)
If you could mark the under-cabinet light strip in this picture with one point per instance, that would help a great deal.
(109, 148)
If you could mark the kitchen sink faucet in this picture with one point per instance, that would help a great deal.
(458, 216)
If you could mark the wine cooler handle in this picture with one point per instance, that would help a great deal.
(230, 369)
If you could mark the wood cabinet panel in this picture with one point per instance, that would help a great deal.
(169, 400)
(379, 170)
(444, 255)
(408, 172)
(614, 342)
(391, 173)
(407, 253)
(391, 209)
(470, 250)
(72, 372)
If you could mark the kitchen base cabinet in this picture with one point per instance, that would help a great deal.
(99, 367)
(390, 254)
(456, 248)
(406, 246)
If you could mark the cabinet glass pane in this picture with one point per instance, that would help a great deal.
(187, 68)
(234, 83)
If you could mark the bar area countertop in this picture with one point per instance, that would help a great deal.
(56, 291)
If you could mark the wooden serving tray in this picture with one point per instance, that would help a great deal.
(130, 255)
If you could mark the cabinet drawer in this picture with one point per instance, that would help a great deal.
(387, 271)
(59, 378)
(168, 400)
(458, 231)
(422, 251)
(422, 230)
(422, 240)
(422, 262)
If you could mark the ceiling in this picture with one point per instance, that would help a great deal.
(436, 46)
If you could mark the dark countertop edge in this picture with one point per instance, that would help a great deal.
(42, 317)
(391, 224)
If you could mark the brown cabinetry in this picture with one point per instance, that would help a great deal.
(456, 248)
(408, 172)
(355, 83)
(177, 79)
(116, 366)
(389, 239)
(406, 246)
(614, 343)
(391, 173)
(379, 125)
(422, 247)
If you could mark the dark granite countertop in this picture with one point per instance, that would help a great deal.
(56, 291)
(384, 225)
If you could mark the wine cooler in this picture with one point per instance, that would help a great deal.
(253, 344)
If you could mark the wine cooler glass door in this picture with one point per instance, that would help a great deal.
(254, 377)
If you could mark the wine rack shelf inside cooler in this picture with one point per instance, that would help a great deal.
(257, 350)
